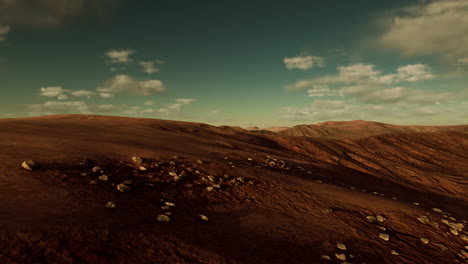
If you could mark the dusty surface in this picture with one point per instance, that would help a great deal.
(268, 198)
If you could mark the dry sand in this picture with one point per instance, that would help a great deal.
(293, 201)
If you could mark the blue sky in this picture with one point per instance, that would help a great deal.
(244, 63)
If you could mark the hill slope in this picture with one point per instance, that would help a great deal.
(268, 198)
(357, 129)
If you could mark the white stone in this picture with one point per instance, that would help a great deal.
(384, 236)
(28, 164)
(123, 187)
(203, 218)
(103, 178)
(425, 240)
(341, 246)
(163, 218)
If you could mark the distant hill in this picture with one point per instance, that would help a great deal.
(357, 129)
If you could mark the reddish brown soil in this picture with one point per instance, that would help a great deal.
(291, 212)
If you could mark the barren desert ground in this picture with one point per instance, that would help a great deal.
(133, 190)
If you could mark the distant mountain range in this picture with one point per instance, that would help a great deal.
(352, 129)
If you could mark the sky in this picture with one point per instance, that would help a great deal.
(240, 63)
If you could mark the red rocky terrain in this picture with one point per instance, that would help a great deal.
(100, 189)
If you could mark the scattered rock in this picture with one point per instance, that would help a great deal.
(415, 203)
(437, 210)
(424, 219)
(128, 182)
(29, 164)
(340, 256)
(425, 240)
(163, 218)
(327, 210)
(137, 160)
(167, 213)
(165, 207)
(142, 168)
(456, 226)
(169, 204)
(209, 188)
(326, 257)
(210, 178)
(394, 252)
(97, 168)
(123, 187)
(203, 218)
(381, 218)
(110, 204)
(341, 246)
(103, 178)
(217, 186)
(384, 236)
(93, 182)
(371, 218)
(441, 246)
(84, 174)
(199, 161)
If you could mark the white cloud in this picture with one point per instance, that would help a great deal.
(149, 67)
(323, 90)
(4, 30)
(63, 94)
(358, 72)
(125, 83)
(414, 73)
(148, 102)
(120, 56)
(150, 87)
(174, 108)
(365, 74)
(463, 61)
(435, 27)
(106, 95)
(215, 111)
(54, 91)
(388, 78)
(52, 107)
(71, 107)
(84, 93)
(304, 63)
(185, 101)
(382, 95)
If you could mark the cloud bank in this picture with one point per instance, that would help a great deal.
(434, 27)
(304, 63)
